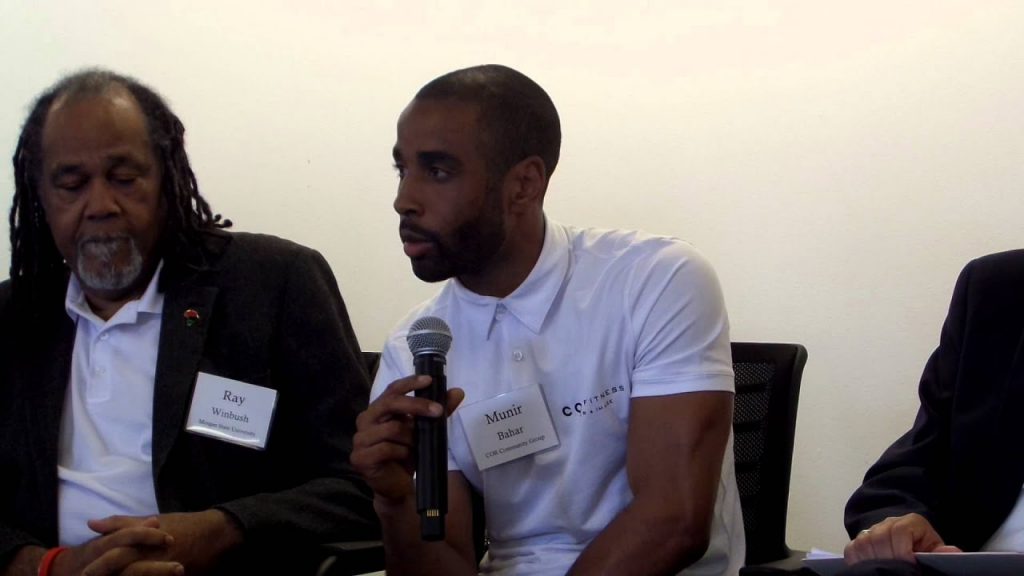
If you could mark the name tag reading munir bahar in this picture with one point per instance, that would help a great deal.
(231, 411)
(509, 426)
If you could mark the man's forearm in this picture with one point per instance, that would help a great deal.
(218, 533)
(405, 551)
(644, 538)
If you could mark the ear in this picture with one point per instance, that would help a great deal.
(527, 181)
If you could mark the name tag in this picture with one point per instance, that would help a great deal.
(508, 427)
(231, 411)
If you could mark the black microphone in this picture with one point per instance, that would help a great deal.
(429, 339)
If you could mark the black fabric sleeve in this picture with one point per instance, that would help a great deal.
(324, 385)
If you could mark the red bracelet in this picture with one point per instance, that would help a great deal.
(48, 559)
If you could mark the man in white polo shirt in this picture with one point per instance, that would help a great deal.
(593, 367)
(173, 397)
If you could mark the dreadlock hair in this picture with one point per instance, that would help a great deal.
(34, 256)
(517, 117)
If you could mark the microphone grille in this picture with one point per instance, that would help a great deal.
(429, 334)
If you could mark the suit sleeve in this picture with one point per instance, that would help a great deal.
(12, 437)
(12, 539)
(323, 385)
(908, 476)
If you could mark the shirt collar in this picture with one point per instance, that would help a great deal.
(151, 302)
(532, 300)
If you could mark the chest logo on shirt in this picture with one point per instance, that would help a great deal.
(593, 404)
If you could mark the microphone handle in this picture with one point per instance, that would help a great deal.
(432, 451)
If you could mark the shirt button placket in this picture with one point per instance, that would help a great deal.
(99, 384)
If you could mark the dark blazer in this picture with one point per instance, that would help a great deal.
(962, 464)
(270, 314)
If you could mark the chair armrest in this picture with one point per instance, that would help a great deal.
(350, 558)
(790, 565)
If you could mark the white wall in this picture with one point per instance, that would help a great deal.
(839, 162)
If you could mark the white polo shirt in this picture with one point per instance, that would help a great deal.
(1009, 537)
(105, 459)
(604, 316)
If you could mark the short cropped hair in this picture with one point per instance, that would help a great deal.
(518, 118)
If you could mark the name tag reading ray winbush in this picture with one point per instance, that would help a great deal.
(231, 410)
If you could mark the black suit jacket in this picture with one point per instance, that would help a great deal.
(962, 464)
(270, 314)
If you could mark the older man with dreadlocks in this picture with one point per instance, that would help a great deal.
(174, 398)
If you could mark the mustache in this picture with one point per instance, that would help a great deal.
(103, 239)
(104, 247)
(410, 232)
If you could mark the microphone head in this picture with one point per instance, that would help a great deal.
(429, 335)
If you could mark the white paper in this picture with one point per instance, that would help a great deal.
(824, 562)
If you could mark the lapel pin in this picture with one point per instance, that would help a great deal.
(191, 317)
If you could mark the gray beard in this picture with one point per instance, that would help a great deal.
(97, 266)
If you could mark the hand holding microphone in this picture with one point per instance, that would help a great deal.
(387, 448)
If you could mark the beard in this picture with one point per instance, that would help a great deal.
(468, 250)
(108, 263)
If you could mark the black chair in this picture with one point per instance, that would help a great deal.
(359, 557)
(764, 423)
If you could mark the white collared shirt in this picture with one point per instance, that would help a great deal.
(106, 431)
(1009, 537)
(603, 317)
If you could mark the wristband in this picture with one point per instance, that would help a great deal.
(48, 559)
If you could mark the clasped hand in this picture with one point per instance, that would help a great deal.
(164, 545)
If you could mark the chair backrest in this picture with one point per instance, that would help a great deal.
(764, 422)
(371, 360)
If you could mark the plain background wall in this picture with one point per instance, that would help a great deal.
(838, 162)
